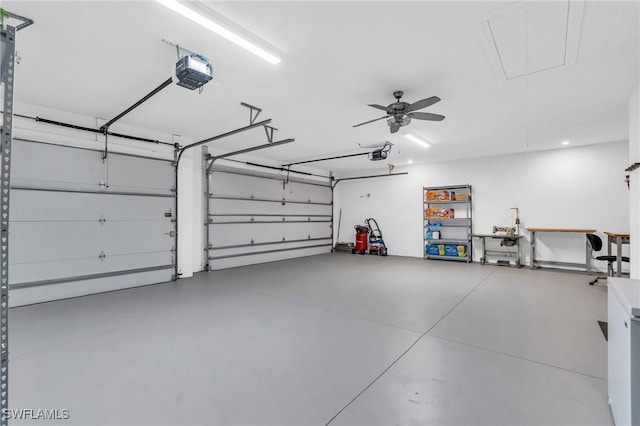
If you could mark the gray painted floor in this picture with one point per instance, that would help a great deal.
(340, 338)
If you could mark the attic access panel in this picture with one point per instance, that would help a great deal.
(531, 37)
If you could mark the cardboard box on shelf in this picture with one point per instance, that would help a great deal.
(462, 197)
(439, 213)
(439, 196)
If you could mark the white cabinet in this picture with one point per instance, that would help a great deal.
(624, 350)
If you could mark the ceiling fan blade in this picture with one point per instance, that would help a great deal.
(370, 121)
(384, 108)
(427, 116)
(423, 103)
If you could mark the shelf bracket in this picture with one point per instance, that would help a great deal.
(254, 112)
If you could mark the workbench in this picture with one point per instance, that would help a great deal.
(536, 263)
(515, 254)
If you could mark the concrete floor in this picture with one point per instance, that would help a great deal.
(335, 339)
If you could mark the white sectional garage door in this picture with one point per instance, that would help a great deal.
(81, 225)
(255, 217)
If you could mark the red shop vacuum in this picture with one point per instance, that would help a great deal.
(369, 239)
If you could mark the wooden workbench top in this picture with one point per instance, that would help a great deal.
(579, 230)
(617, 234)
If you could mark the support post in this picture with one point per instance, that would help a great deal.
(7, 79)
(8, 65)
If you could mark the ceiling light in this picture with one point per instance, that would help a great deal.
(565, 142)
(220, 30)
(410, 161)
(417, 140)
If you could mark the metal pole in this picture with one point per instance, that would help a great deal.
(89, 129)
(175, 253)
(368, 177)
(333, 213)
(8, 40)
(255, 148)
(327, 158)
(282, 169)
(208, 176)
(223, 135)
(106, 125)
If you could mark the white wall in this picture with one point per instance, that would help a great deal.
(634, 193)
(581, 187)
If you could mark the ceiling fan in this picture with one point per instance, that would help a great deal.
(400, 113)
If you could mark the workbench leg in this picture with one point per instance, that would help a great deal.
(587, 256)
(619, 256)
(532, 242)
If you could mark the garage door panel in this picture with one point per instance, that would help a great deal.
(224, 235)
(259, 248)
(250, 186)
(42, 241)
(70, 268)
(268, 257)
(303, 191)
(26, 296)
(246, 215)
(244, 186)
(222, 206)
(27, 205)
(37, 164)
(264, 219)
(140, 236)
(75, 215)
(140, 174)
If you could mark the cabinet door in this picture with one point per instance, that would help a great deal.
(619, 348)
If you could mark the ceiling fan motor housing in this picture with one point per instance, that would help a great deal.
(399, 120)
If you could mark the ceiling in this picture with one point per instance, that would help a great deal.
(97, 58)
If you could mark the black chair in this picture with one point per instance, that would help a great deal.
(595, 243)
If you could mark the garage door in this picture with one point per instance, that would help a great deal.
(257, 217)
(81, 225)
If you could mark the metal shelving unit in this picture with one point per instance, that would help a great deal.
(454, 232)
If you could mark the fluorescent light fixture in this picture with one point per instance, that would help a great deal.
(417, 140)
(220, 30)
(565, 142)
